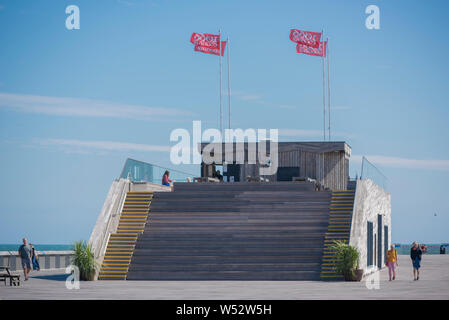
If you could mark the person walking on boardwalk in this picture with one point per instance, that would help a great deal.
(34, 258)
(25, 255)
(416, 254)
(392, 262)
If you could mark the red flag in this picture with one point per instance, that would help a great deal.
(308, 38)
(211, 50)
(319, 52)
(205, 40)
(208, 43)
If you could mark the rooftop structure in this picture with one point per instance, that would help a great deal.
(325, 162)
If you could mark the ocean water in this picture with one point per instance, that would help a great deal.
(433, 248)
(39, 247)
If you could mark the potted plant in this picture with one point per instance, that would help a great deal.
(84, 259)
(346, 260)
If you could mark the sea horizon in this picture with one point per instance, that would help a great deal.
(403, 248)
(39, 247)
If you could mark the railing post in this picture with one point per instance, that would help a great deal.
(361, 173)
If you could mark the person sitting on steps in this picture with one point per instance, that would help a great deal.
(166, 181)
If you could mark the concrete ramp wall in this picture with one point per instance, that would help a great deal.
(109, 216)
(372, 204)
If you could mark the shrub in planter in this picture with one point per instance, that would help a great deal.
(346, 259)
(358, 274)
(84, 259)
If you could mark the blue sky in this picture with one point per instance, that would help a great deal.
(75, 104)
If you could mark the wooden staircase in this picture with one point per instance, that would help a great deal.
(122, 243)
(340, 218)
(233, 231)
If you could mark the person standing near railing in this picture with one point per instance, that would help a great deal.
(34, 258)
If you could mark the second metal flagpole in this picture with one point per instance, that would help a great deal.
(221, 110)
(324, 86)
(229, 85)
(328, 90)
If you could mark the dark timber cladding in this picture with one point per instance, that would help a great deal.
(326, 162)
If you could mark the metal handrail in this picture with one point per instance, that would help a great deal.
(364, 175)
(378, 171)
(154, 165)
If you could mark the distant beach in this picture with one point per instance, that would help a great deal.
(39, 247)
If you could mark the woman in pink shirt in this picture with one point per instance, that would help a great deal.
(165, 179)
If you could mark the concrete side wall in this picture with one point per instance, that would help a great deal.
(48, 260)
(370, 201)
(109, 216)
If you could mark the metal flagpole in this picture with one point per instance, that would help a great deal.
(221, 112)
(229, 84)
(328, 90)
(324, 89)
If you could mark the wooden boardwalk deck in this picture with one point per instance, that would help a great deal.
(434, 284)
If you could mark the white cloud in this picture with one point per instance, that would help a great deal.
(300, 133)
(76, 107)
(398, 162)
(249, 97)
(83, 146)
(287, 106)
(336, 108)
(340, 108)
(311, 133)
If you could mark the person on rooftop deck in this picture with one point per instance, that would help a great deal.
(218, 175)
(165, 179)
